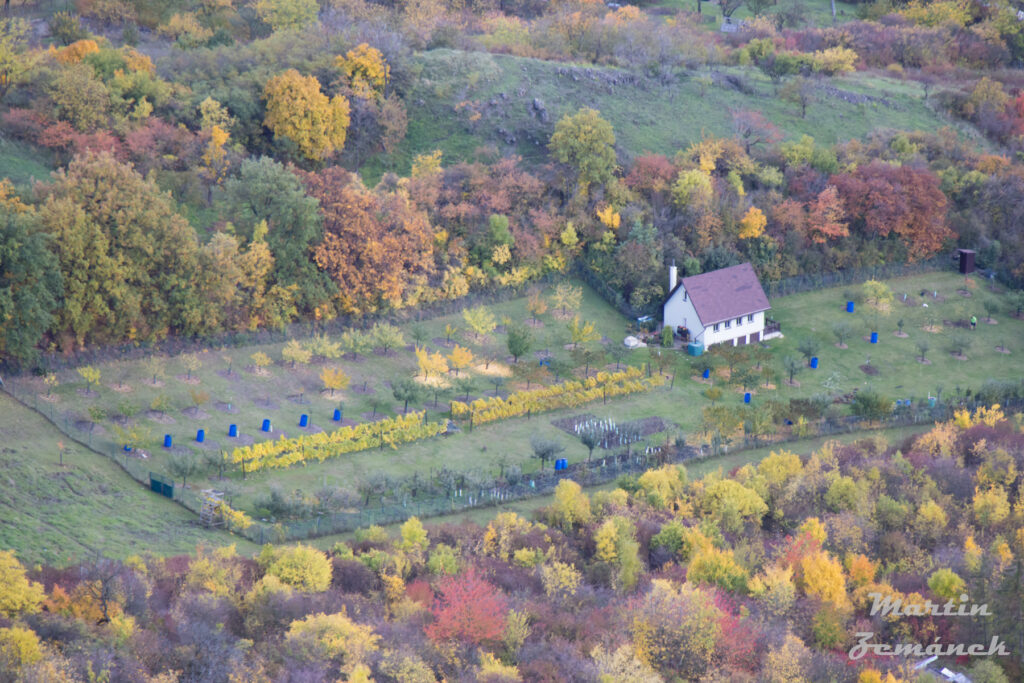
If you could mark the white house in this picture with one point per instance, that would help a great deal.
(723, 306)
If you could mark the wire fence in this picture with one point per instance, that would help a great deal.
(505, 489)
(852, 276)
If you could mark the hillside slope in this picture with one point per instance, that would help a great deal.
(463, 100)
(61, 515)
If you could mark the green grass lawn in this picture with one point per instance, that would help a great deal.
(241, 398)
(502, 89)
(23, 163)
(61, 515)
(900, 375)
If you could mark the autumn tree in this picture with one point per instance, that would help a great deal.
(287, 15)
(480, 320)
(571, 506)
(676, 630)
(332, 637)
(300, 566)
(15, 59)
(299, 111)
(752, 129)
(752, 224)
(18, 595)
(535, 304)
(586, 143)
(267, 198)
(826, 218)
(127, 258)
(566, 297)
(468, 609)
(295, 352)
(459, 359)
(377, 247)
(30, 284)
(882, 200)
(582, 331)
(334, 379)
(366, 70)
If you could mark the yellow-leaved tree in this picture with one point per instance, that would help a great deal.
(302, 567)
(17, 593)
(299, 111)
(752, 224)
(460, 358)
(332, 637)
(367, 71)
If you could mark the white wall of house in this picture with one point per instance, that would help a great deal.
(744, 328)
(679, 310)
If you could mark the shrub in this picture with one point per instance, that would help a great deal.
(302, 567)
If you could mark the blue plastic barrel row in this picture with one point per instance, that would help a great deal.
(233, 429)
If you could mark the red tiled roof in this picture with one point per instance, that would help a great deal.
(726, 293)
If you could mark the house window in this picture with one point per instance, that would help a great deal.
(728, 324)
(750, 318)
(739, 321)
(716, 327)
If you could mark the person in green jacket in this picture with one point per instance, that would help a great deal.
(974, 321)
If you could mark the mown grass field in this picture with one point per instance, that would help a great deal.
(454, 86)
(242, 398)
(59, 515)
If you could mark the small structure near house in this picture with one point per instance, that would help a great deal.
(966, 261)
(724, 306)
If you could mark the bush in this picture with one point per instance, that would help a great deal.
(66, 28)
(871, 405)
(667, 338)
(302, 567)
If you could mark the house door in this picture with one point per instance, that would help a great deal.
(755, 337)
(741, 341)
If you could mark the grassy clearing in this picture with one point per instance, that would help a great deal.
(502, 89)
(899, 374)
(23, 163)
(245, 398)
(61, 515)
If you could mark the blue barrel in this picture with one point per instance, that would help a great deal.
(304, 420)
(167, 440)
(127, 448)
(337, 415)
(814, 362)
(874, 337)
(849, 307)
(232, 430)
(931, 401)
(200, 435)
(707, 373)
(266, 425)
(746, 397)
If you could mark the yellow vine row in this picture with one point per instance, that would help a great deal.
(565, 395)
(285, 452)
